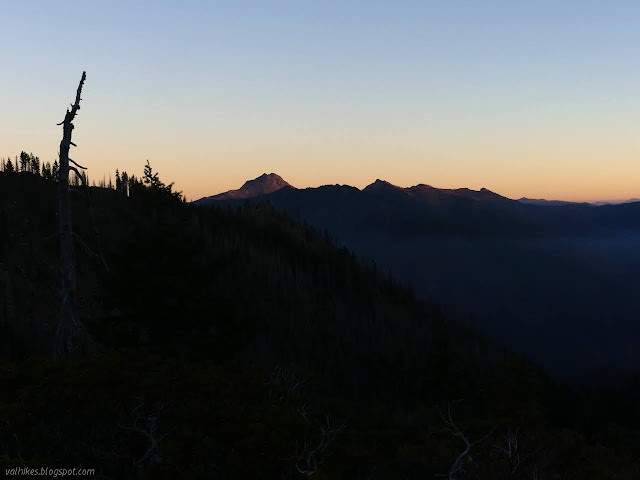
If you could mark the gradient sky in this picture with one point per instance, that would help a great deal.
(535, 98)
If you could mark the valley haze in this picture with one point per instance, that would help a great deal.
(528, 272)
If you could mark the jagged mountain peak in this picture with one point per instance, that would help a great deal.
(379, 185)
(265, 183)
(262, 185)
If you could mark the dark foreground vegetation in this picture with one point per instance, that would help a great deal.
(232, 342)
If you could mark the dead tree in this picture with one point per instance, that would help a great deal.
(313, 455)
(147, 427)
(513, 454)
(457, 467)
(64, 345)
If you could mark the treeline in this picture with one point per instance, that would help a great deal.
(28, 162)
(124, 183)
(130, 185)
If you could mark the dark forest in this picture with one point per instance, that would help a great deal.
(231, 341)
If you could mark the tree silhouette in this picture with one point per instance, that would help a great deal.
(151, 179)
(55, 171)
(25, 161)
(46, 171)
(35, 164)
(125, 183)
(64, 345)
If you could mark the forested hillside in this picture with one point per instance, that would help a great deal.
(560, 275)
(235, 342)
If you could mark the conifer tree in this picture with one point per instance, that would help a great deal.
(132, 185)
(125, 183)
(55, 171)
(25, 161)
(35, 164)
(46, 171)
(154, 183)
(151, 179)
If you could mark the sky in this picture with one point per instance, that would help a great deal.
(526, 98)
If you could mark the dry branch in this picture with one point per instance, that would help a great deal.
(457, 466)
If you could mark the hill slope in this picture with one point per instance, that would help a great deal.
(230, 342)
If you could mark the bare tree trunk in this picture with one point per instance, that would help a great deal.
(64, 345)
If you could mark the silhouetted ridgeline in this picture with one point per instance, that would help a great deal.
(562, 275)
(234, 342)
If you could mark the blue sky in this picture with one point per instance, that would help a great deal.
(525, 98)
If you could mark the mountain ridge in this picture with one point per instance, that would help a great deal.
(269, 183)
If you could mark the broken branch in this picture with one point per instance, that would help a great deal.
(77, 165)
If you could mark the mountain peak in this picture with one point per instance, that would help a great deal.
(265, 183)
(262, 185)
(380, 185)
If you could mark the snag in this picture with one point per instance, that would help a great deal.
(64, 345)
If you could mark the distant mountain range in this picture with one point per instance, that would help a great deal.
(270, 182)
(423, 209)
(555, 280)
(540, 201)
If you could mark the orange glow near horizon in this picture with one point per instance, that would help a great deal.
(508, 98)
(574, 174)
